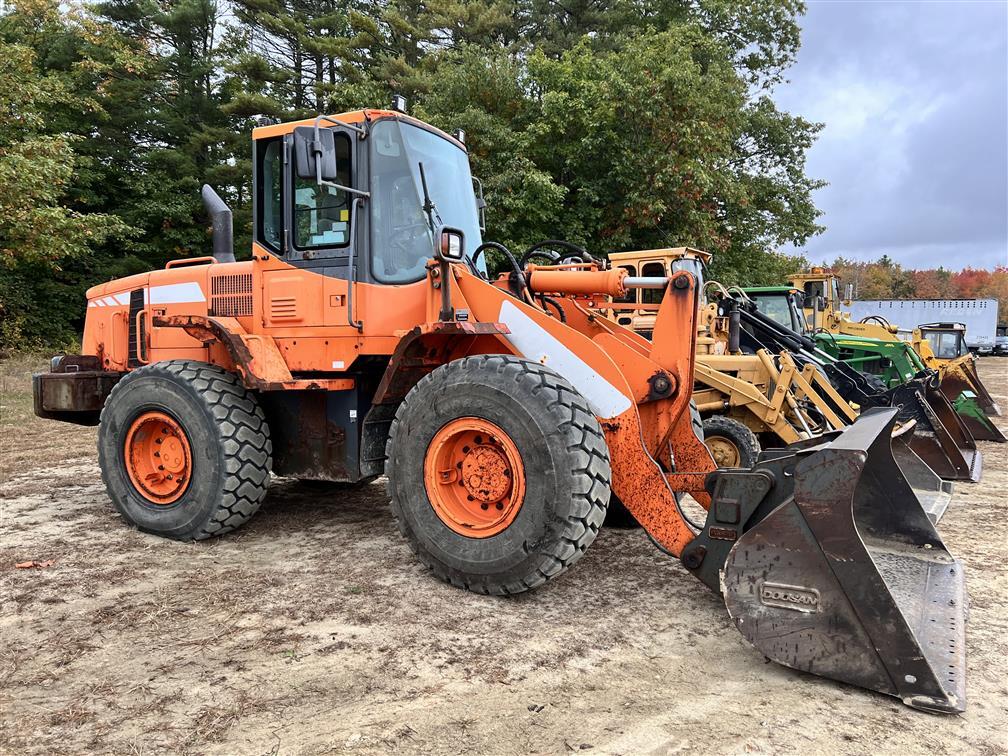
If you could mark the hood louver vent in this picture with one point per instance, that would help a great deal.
(231, 295)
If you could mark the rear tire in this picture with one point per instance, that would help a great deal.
(557, 455)
(226, 440)
(731, 443)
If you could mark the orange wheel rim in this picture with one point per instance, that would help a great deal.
(158, 457)
(474, 477)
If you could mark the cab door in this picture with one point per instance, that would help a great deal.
(314, 229)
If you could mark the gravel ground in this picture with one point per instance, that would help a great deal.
(313, 629)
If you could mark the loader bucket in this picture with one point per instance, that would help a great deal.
(940, 438)
(961, 375)
(975, 419)
(933, 493)
(847, 578)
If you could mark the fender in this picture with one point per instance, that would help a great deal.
(254, 357)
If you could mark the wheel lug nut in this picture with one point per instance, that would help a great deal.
(169, 476)
(157, 454)
(470, 498)
(160, 467)
(465, 449)
(500, 505)
(158, 440)
(479, 439)
(484, 506)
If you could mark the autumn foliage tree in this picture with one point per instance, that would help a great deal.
(886, 279)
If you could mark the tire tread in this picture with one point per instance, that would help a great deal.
(584, 441)
(244, 437)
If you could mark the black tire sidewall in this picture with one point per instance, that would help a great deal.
(163, 392)
(511, 554)
(737, 433)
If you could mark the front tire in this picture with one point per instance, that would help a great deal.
(184, 450)
(498, 473)
(730, 442)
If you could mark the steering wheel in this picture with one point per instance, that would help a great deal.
(402, 244)
(578, 254)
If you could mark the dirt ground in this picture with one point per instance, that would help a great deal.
(313, 629)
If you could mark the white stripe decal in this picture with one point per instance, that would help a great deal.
(91, 303)
(109, 301)
(176, 293)
(535, 343)
(99, 303)
(122, 299)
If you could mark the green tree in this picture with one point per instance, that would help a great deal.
(652, 144)
(43, 230)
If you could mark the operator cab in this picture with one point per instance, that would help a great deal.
(783, 305)
(361, 195)
(947, 340)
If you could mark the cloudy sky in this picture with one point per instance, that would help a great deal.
(914, 96)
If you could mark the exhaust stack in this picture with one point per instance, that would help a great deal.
(220, 217)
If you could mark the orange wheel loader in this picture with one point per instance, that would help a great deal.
(365, 337)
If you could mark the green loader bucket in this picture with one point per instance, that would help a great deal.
(829, 564)
(975, 419)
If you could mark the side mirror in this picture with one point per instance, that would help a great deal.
(820, 304)
(314, 149)
(450, 245)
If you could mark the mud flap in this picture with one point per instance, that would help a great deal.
(846, 577)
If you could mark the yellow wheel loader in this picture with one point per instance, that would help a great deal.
(823, 311)
(762, 398)
(747, 401)
(363, 335)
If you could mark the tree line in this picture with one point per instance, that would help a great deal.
(617, 124)
(887, 279)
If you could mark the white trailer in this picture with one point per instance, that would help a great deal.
(980, 316)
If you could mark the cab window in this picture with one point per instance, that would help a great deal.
(945, 344)
(631, 294)
(777, 308)
(322, 213)
(270, 230)
(656, 269)
(813, 289)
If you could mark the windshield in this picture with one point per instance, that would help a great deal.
(946, 345)
(777, 307)
(400, 234)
